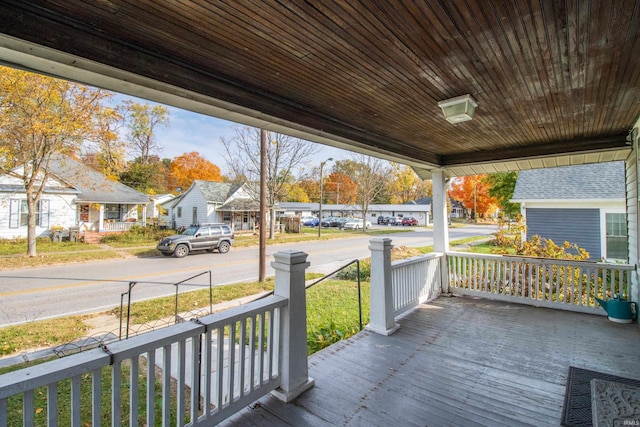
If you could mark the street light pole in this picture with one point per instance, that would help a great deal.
(320, 204)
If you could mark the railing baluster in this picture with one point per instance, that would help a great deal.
(270, 344)
(261, 344)
(133, 391)
(27, 408)
(252, 352)
(180, 392)
(196, 383)
(52, 403)
(151, 386)
(220, 377)
(166, 385)
(116, 394)
(242, 356)
(207, 362)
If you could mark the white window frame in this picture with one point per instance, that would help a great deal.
(603, 230)
(16, 212)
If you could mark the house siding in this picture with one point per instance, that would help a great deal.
(62, 212)
(577, 226)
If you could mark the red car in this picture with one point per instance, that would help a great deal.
(409, 221)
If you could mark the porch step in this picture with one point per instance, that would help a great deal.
(92, 237)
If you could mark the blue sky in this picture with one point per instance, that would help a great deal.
(188, 131)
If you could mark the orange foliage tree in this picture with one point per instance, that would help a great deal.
(188, 167)
(473, 189)
(338, 188)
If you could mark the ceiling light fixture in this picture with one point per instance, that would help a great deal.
(458, 109)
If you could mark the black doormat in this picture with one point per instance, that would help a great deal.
(577, 395)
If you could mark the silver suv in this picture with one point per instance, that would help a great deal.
(197, 238)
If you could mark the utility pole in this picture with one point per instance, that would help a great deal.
(263, 206)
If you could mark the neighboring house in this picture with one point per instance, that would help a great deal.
(419, 211)
(155, 210)
(581, 204)
(74, 196)
(208, 201)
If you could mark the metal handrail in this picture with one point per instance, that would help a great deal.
(131, 285)
(357, 262)
(177, 285)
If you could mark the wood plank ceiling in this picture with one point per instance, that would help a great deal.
(556, 82)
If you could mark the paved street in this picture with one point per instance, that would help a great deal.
(38, 293)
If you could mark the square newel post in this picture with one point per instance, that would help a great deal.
(381, 306)
(440, 229)
(290, 267)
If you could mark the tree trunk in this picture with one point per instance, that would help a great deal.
(31, 225)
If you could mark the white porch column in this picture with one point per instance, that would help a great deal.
(144, 215)
(101, 218)
(440, 227)
(381, 297)
(290, 269)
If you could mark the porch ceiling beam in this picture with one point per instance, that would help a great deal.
(608, 143)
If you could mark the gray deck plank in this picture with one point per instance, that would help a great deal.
(456, 361)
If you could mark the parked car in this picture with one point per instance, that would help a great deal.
(382, 220)
(207, 237)
(339, 222)
(310, 221)
(394, 220)
(356, 224)
(326, 222)
(410, 221)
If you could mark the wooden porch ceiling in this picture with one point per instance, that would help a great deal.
(557, 82)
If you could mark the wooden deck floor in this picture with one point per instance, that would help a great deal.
(456, 362)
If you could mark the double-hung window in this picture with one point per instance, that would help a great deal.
(19, 213)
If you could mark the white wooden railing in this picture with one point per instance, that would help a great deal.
(553, 283)
(414, 281)
(118, 226)
(228, 359)
(194, 373)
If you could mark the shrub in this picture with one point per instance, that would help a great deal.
(138, 233)
(351, 272)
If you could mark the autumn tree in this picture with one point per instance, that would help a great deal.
(407, 186)
(188, 167)
(142, 121)
(110, 149)
(501, 187)
(368, 173)
(296, 193)
(311, 187)
(150, 176)
(287, 163)
(339, 189)
(40, 118)
(473, 192)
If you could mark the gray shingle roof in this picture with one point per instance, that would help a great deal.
(92, 185)
(589, 181)
(217, 192)
(240, 205)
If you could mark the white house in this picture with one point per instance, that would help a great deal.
(580, 204)
(208, 201)
(155, 209)
(74, 196)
